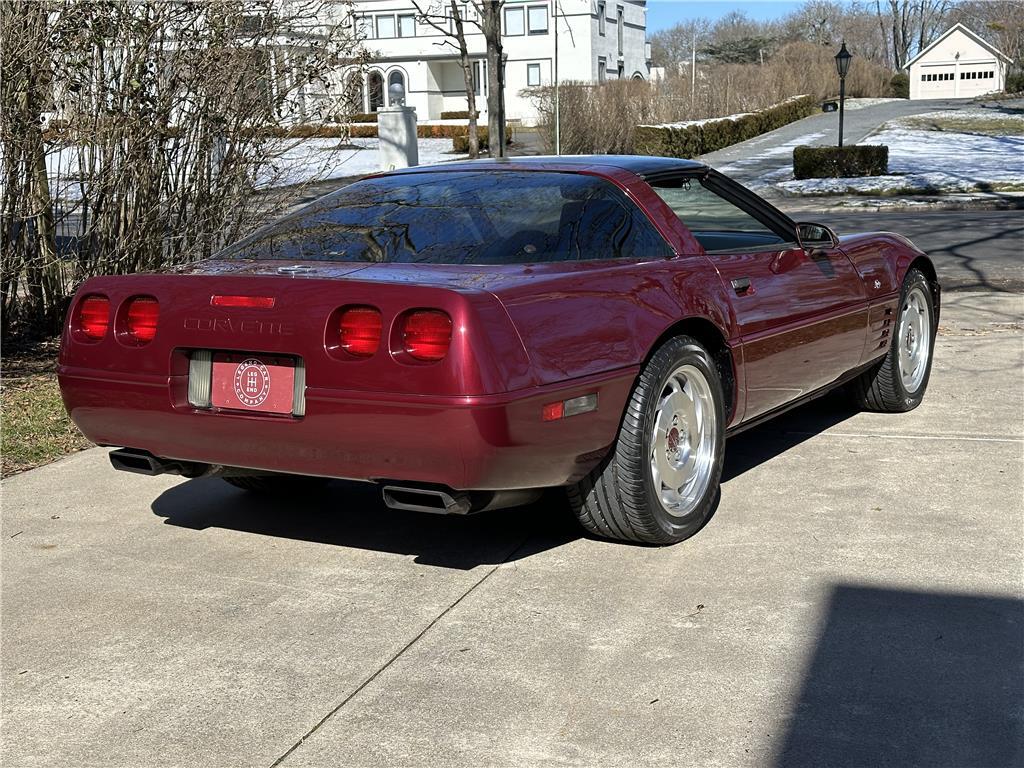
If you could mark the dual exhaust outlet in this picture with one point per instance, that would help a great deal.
(412, 498)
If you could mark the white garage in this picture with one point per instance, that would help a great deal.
(958, 65)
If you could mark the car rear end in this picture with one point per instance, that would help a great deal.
(338, 378)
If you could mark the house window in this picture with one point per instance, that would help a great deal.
(407, 26)
(480, 78)
(385, 27)
(515, 22)
(364, 27)
(602, 70)
(395, 78)
(538, 19)
(533, 74)
(620, 21)
(601, 10)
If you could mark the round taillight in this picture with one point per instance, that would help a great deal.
(427, 334)
(94, 316)
(141, 318)
(359, 330)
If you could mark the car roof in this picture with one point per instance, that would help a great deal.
(641, 165)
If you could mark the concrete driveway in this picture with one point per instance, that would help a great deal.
(855, 600)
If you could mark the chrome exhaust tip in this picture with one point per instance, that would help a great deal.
(426, 500)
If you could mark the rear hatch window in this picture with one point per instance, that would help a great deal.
(463, 217)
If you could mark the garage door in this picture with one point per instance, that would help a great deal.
(938, 82)
(976, 79)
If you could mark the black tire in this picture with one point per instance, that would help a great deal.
(882, 388)
(618, 500)
(276, 484)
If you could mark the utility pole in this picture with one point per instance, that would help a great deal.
(558, 116)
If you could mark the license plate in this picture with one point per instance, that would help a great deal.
(259, 383)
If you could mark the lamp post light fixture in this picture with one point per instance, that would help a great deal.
(842, 66)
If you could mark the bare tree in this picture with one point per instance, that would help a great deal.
(1000, 21)
(133, 134)
(911, 24)
(489, 12)
(449, 22)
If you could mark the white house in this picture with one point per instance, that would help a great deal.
(958, 65)
(598, 40)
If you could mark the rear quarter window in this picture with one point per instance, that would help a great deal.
(464, 217)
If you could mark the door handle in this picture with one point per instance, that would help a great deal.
(741, 285)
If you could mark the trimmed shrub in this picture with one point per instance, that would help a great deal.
(460, 143)
(1014, 82)
(705, 136)
(364, 117)
(899, 86)
(463, 115)
(840, 162)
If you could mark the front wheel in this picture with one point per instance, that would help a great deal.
(659, 484)
(897, 384)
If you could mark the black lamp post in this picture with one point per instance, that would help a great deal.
(842, 66)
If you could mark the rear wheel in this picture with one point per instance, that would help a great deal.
(276, 484)
(659, 484)
(897, 384)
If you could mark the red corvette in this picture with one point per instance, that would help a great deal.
(466, 334)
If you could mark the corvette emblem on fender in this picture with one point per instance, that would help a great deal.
(252, 382)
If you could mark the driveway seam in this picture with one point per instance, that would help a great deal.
(398, 655)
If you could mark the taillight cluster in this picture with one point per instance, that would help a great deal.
(422, 334)
(137, 320)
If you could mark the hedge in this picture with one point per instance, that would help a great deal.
(840, 162)
(690, 141)
(363, 131)
(463, 115)
(460, 143)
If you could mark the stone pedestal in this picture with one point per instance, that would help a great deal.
(396, 130)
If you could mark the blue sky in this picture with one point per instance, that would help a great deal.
(662, 14)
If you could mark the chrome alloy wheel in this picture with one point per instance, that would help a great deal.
(913, 342)
(683, 441)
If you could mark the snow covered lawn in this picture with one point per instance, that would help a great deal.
(298, 161)
(320, 160)
(934, 161)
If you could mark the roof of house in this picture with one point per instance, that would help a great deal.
(959, 27)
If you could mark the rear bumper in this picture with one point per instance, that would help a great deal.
(494, 442)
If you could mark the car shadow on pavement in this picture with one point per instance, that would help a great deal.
(347, 514)
(754, 447)
(904, 678)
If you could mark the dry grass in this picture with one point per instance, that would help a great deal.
(996, 125)
(34, 428)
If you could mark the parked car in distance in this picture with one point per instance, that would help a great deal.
(466, 334)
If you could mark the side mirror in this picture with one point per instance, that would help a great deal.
(813, 237)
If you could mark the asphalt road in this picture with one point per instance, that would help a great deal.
(856, 600)
(972, 250)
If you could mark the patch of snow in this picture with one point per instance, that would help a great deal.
(779, 151)
(319, 160)
(967, 113)
(297, 161)
(705, 121)
(929, 162)
(855, 104)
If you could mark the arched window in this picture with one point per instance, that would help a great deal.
(395, 78)
(376, 87)
(353, 95)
